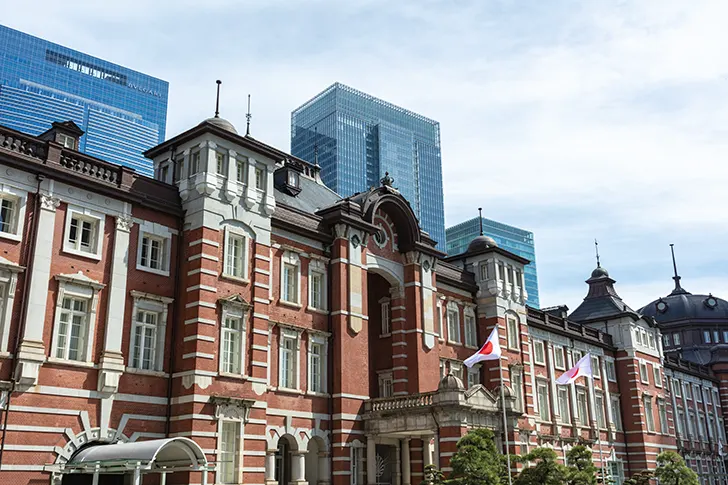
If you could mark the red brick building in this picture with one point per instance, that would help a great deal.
(235, 321)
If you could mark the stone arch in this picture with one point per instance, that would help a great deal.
(390, 271)
(399, 211)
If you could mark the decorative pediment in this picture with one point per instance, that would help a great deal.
(232, 407)
(234, 301)
(80, 279)
(8, 265)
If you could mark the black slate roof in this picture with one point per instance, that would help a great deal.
(602, 301)
(313, 197)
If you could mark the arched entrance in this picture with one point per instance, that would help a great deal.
(127, 463)
(317, 462)
(286, 445)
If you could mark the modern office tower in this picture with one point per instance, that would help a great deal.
(511, 238)
(122, 112)
(356, 138)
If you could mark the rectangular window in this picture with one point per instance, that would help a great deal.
(483, 271)
(711, 427)
(611, 371)
(596, 370)
(83, 234)
(688, 392)
(220, 163)
(542, 392)
(456, 369)
(538, 351)
(599, 405)
(67, 141)
(72, 330)
(680, 422)
(240, 171)
(317, 290)
(716, 337)
(473, 376)
(576, 355)
(701, 426)
(563, 395)
(315, 368)
(438, 320)
(290, 283)
(662, 412)
(649, 418)
(517, 384)
(581, 407)
(386, 388)
(153, 252)
(235, 255)
(691, 423)
(471, 339)
(559, 361)
(643, 373)
(288, 361)
(442, 369)
(725, 336)
(232, 336)
(676, 338)
(8, 215)
(386, 317)
(638, 336)
(513, 330)
(652, 340)
(616, 413)
(666, 339)
(259, 183)
(195, 163)
(698, 394)
(657, 375)
(706, 336)
(143, 352)
(677, 388)
(229, 451)
(357, 459)
(453, 324)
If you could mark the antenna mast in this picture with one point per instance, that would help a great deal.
(248, 116)
(217, 101)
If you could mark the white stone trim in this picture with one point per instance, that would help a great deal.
(160, 306)
(20, 198)
(87, 214)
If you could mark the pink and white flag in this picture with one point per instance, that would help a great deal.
(489, 351)
(581, 369)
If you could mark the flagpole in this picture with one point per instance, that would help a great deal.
(505, 422)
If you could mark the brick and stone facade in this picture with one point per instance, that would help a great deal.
(291, 335)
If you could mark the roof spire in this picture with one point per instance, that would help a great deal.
(596, 249)
(480, 218)
(217, 100)
(678, 289)
(248, 116)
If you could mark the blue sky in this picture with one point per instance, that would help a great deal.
(603, 119)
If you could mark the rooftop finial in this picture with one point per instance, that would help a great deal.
(248, 116)
(480, 219)
(596, 249)
(678, 289)
(217, 100)
(387, 181)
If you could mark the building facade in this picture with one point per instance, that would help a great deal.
(122, 112)
(357, 138)
(234, 321)
(515, 240)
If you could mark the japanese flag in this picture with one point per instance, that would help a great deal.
(489, 351)
(581, 369)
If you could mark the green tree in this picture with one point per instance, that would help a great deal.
(581, 469)
(433, 476)
(672, 470)
(640, 478)
(546, 471)
(478, 461)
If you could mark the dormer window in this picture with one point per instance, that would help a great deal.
(293, 178)
(288, 180)
(67, 141)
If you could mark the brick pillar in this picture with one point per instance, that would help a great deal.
(447, 444)
(400, 344)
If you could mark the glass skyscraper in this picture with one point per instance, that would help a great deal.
(359, 137)
(122, 112)
(510, 238)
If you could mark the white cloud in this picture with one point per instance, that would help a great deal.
(573, 119)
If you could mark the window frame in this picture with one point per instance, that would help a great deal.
(649, 416)
(234, 307)
(582, 415)
(565, 411)
(559, 350)
(152, 304)
(676, 339)
(317, 269)
(195, 162)
(259, 182)
(80, 287)
(542, 384)
(470, 327)
(657, 375)
(616, 412)
(317, 339)
(221, 165)
(19, 198)
(290, 259)
(232, 234)
(453, 309)
(662, 416)
(611, 370)
(288, 334)
(240, 170)
(158, 232)
(84, 215)
(600, 410)
(237, 448)
(517, 386)
(644, 372)
(513, 337)
(385, 382)
(385, 309)
(8, 285)
(472, 373)
(536, 344)
(596, 368)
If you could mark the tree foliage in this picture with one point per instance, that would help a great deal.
(672, 470)
(433, 476)
(478, 460)
(581, 469)
(640, 478)
(546, 471)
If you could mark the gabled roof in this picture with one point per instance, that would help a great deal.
(602, 301)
